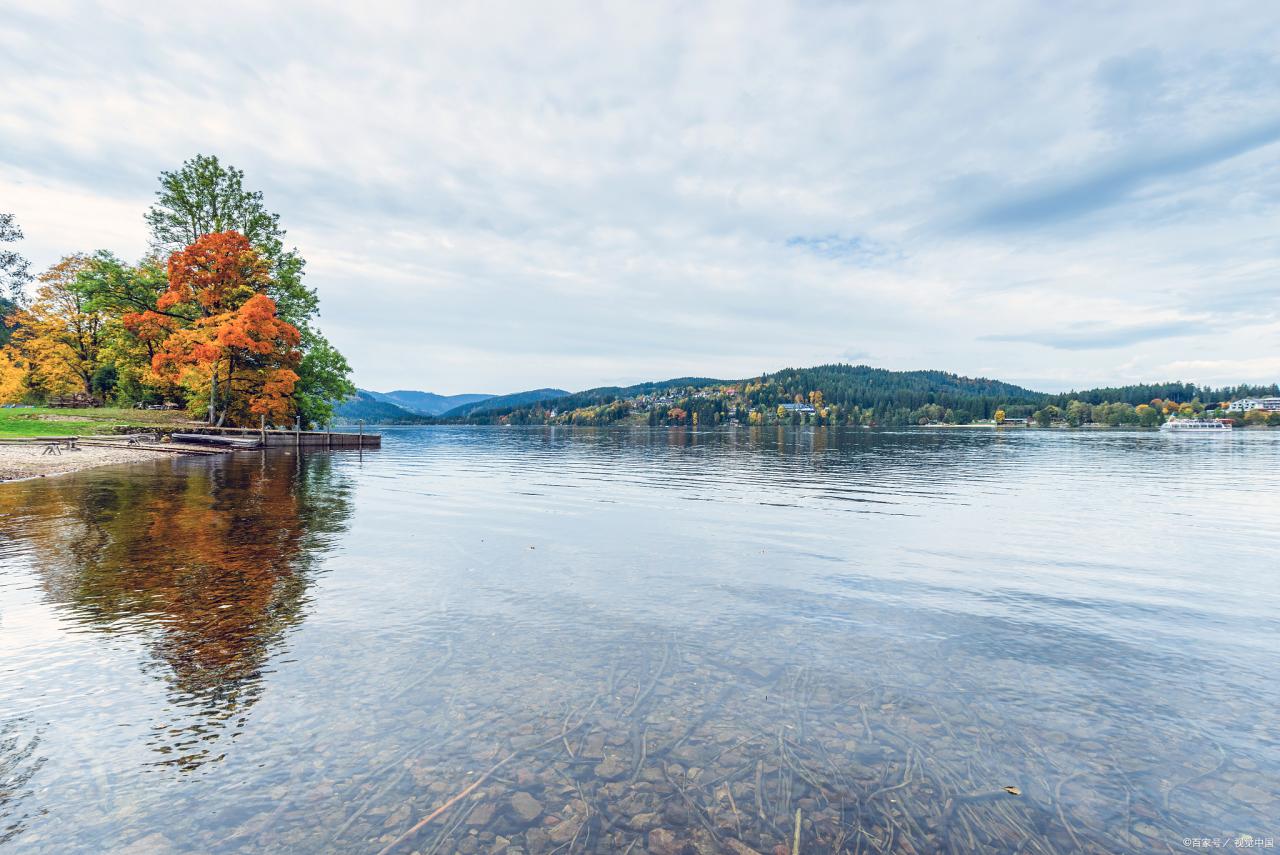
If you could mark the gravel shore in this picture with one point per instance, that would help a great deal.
(28, 460)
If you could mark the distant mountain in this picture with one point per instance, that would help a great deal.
(517, 399)
(427, 403)
(375, 410)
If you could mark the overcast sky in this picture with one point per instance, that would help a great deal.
(499, 197)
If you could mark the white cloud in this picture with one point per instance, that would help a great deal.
(498, 197)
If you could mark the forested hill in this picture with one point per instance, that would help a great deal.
(1143, 393)
(879, 388)
(516, 399)
(486, 412)
(826, 394)
(894, 396)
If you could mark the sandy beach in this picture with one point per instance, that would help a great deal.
(28, 460)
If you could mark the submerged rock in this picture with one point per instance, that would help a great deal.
(663, 842)
(612, 767)
(525, 807)
(676, 814)
(397, 816)
(537, 841)
(481, 816)
(594, 747)
(565, 831)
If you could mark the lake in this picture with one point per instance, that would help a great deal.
(659, 641)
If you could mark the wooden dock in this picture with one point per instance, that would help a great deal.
(312, 439)
(221, 440)
(202, 440)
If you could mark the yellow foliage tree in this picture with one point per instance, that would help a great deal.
(999, 416)
(12, 377)
(58, 335)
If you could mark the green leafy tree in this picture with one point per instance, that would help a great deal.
(323, 377)
(112, 285)
(120, 289)
(8, 315)
(1078, 413)
(15, 271)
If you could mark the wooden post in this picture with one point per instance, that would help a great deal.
(262, 428)
(297, 432)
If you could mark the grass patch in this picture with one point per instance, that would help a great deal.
(47, 421)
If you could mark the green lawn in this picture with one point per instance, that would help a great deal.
(46, 421)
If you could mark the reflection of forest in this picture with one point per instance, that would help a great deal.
(211, 562)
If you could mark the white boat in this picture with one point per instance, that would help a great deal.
(1197, 425)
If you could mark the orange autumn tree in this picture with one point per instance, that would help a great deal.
(224, 339)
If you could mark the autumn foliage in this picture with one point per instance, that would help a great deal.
(204, 331)
(12, 376)
(215, 274)
(221, 332)
(59, 337)
(216, 317)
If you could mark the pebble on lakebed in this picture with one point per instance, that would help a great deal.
(666, 752)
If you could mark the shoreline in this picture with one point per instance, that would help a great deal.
(24, 461)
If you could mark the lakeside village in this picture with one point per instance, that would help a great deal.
(764, 403)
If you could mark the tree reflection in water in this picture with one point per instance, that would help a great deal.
(211, 561)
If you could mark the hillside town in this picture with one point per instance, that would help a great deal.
(767, 402)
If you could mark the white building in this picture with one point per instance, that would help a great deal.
(1271, 405)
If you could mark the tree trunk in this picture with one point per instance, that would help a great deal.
(213, 393)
